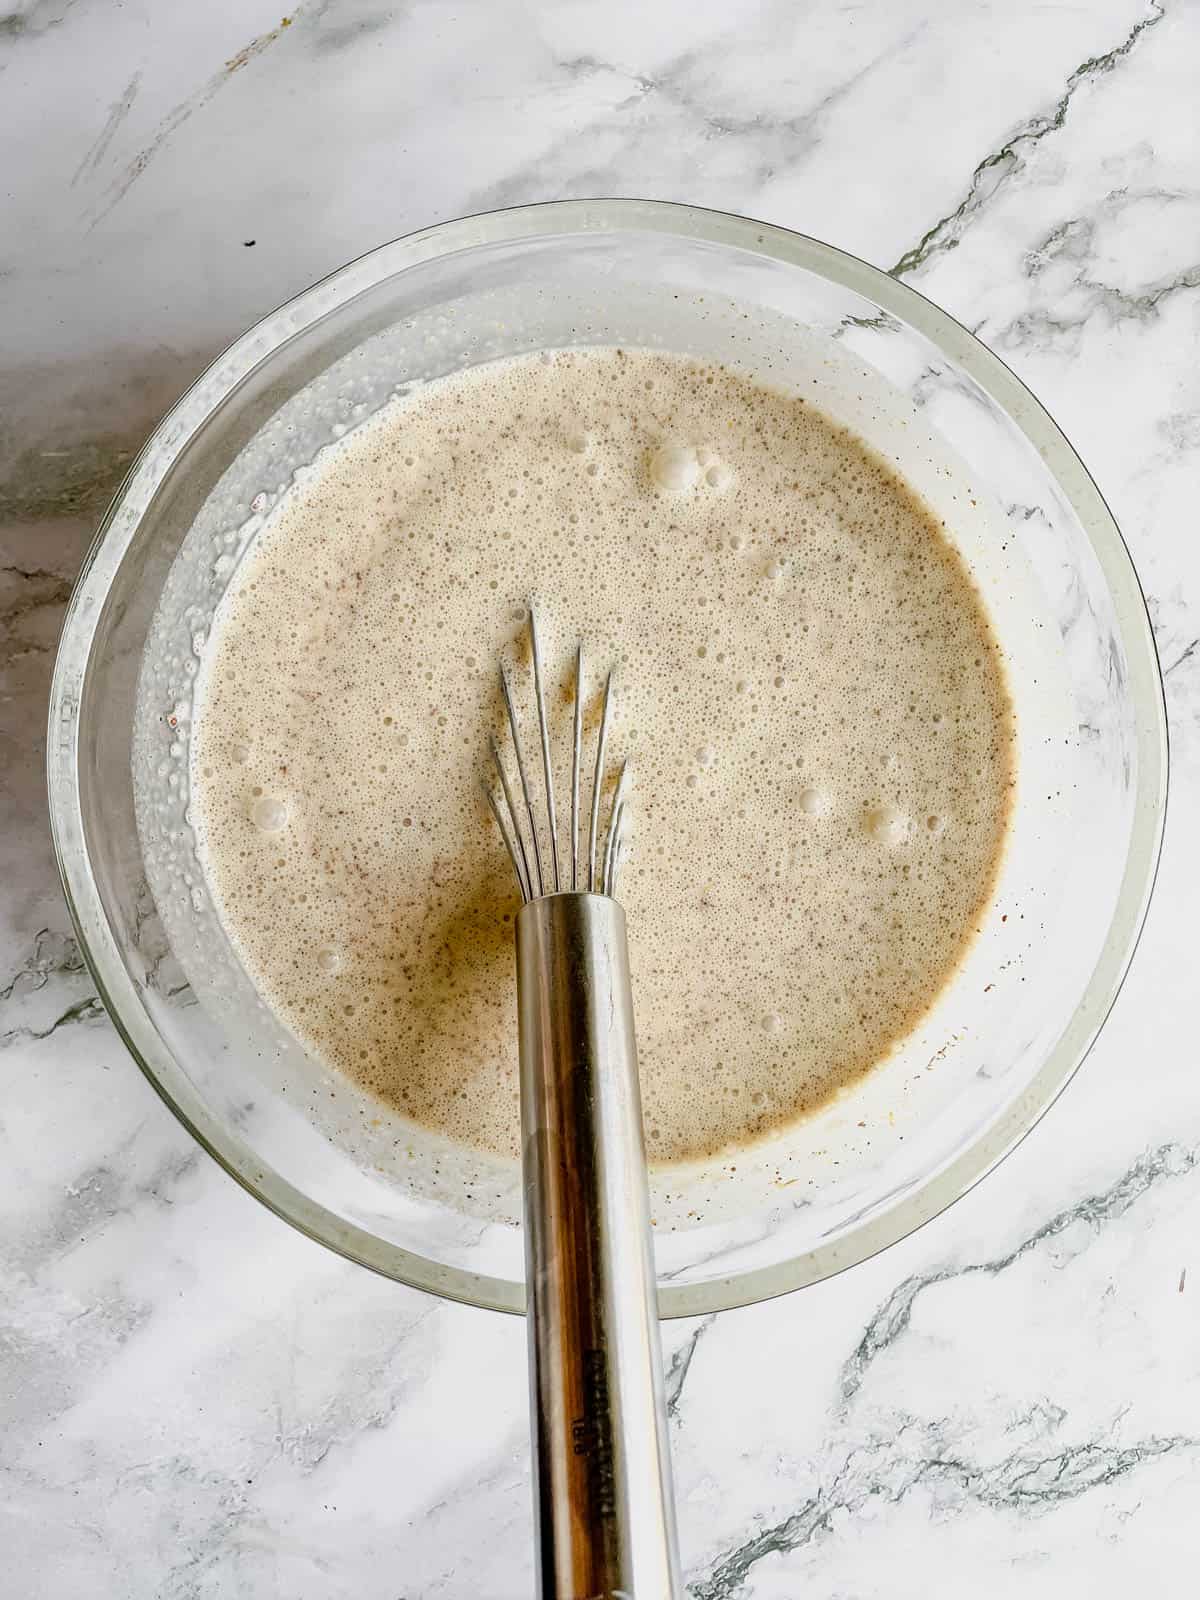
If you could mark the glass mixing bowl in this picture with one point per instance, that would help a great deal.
(1007, 1033)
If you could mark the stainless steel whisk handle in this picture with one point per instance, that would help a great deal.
(604, 1512)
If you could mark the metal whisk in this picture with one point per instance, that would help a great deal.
(604, 1514)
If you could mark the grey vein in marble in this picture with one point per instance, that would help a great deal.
(890, 1469)
(117, 113)
(28, 592)
(1074, 246)
(683, 84)
(893, 1317)
(101, 1193)
(178, 115)
(55, 955)
(1002, 165)
(34, 17)
(863, 1465)
(1184, 656)
(680, 1364)
(52, 953)
(88, 1010)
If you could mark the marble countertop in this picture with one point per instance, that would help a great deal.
(194, 1400)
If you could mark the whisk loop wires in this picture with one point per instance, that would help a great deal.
(528, 821)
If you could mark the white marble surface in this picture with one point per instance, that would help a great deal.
(197, 1402)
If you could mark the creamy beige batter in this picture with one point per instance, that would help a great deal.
(813, 704)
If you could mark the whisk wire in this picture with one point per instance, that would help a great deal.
(510, 846)
(576, 754)
(521, 773)
(524, 876)
(540, 697)
(597, 784)
(603, 856)
(616, 816)
(619, 853)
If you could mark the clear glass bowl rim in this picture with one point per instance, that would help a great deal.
(100, 950)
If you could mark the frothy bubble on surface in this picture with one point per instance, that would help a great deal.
(888, 824)
(269, 814)
(675, 468)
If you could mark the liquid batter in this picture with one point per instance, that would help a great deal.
(810, 696)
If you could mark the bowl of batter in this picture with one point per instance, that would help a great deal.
(886, 684)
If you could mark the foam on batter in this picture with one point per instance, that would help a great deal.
(810, 695)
